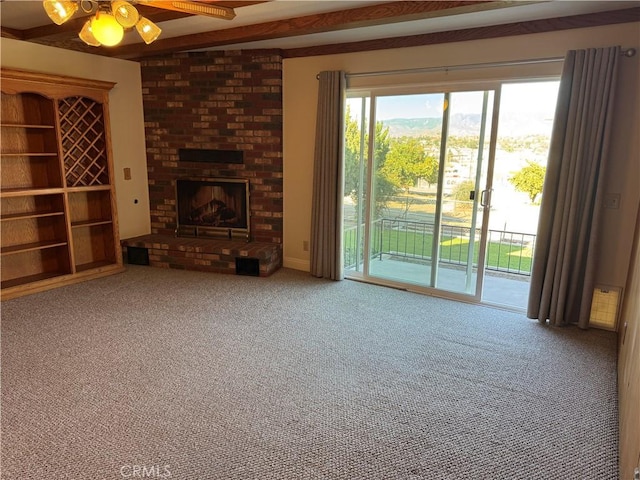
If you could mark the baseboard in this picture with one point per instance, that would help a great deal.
(296, 264)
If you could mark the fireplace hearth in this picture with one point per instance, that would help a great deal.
(213, 208)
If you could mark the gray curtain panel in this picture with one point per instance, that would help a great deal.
(328, 179)
(565, 256)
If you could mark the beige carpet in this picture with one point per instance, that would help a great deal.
(189, 375)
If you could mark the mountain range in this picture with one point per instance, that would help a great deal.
(512, 124)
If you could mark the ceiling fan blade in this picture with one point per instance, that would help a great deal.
(196, 8)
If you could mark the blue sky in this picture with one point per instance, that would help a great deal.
(516, 97)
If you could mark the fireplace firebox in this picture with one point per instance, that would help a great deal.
(217, 208)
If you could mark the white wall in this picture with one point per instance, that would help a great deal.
(300, 96)
(125, 109)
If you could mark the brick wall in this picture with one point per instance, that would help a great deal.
(215, 100)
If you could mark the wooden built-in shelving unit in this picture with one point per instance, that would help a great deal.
(58, 221)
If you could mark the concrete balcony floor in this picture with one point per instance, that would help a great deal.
(509, 290)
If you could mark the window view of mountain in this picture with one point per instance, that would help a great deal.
(512, 124)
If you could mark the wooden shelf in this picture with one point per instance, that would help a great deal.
(29, 141)
(38, 208)
(91, 188)
(20, 192)
(57, 204)
(26, 154)
(30, 171)
(90, 223)
(27, 215)
(94, 243)
(30, 279)
(24, 125)
(92, 265)
(28, 247)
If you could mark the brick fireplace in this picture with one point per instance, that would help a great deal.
(216, 101)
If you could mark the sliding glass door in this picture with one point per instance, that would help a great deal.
(418, 187)
(423, 170)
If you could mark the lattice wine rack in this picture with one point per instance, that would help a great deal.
(83, 142)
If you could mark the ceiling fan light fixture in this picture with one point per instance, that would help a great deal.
(59, 11)
(113, 17)
(148, 30)
(86, 35)
(125, 13)
(106, 29)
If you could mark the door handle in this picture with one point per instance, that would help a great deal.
(483, 198)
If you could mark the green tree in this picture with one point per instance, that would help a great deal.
(354, 158)
(406, 162)
(384, 188)
(529, 179)
(352, 155)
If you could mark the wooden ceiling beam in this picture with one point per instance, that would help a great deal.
(479, 33)
(11, 33)
(371, 15)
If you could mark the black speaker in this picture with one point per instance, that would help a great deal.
(137, 255)
(248, 266)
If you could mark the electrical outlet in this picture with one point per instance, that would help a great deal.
(305, 245)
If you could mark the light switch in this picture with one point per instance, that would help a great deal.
(127, 173)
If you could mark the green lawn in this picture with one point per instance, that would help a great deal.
(454, 249)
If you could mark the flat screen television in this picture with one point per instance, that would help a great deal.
(216, 207)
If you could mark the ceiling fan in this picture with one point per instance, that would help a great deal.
(113, 17)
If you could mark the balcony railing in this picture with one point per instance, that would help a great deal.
(509, 252)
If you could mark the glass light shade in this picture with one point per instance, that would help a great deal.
(148, 30)
(86, 35)
(60, 11)
(106, 29)
(125, 13)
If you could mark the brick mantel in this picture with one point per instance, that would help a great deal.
(215, 100)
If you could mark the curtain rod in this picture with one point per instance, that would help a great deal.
(630, 52)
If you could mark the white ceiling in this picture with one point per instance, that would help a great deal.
(24, 14)
(520, 11)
